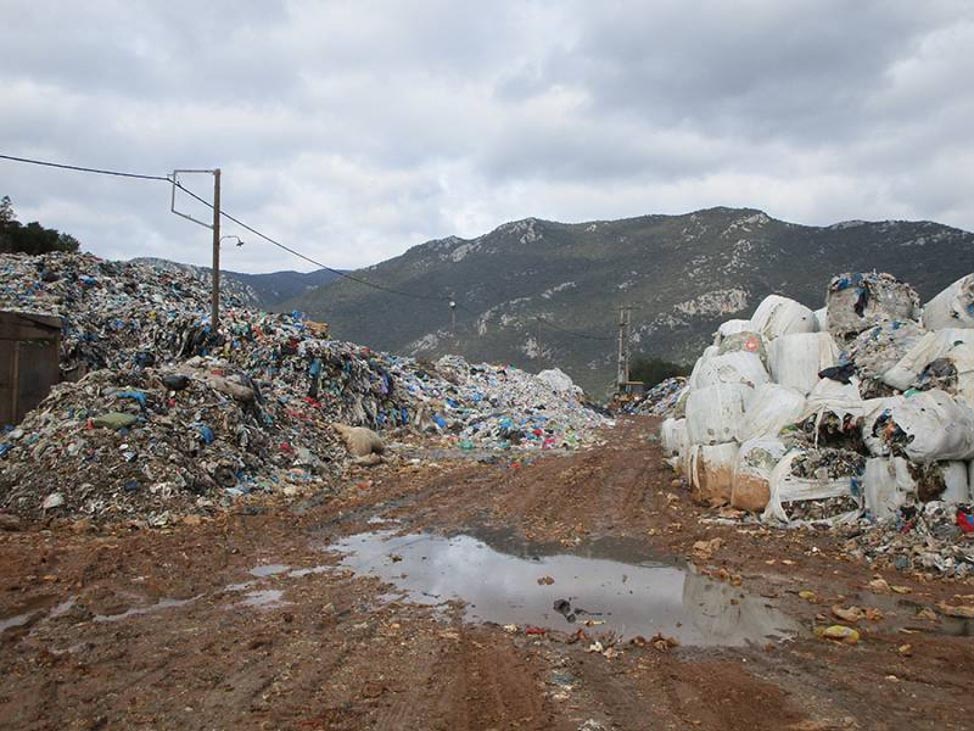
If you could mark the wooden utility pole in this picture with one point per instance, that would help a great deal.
(625, 318)
(215, 304)
(453, 315)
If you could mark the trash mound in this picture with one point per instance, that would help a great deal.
(154, 443)
(870, 421)
(930, 538)
(161, 414)
(666, 398)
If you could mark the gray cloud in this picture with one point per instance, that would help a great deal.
(353, 130)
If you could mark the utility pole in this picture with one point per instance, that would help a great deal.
(625, 319)
(453, 314)
(214, 226)
(538, 339)
(215, 303)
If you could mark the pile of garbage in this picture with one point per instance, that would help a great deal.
(666, 398)
(160, 414)
(862, 411)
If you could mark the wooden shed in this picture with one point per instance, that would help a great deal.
(29, 362)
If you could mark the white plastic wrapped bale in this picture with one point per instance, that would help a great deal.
(822, 320)
(833, 414)
(887, 484)
(711, 473)
(771, 408)
(731, 327)
(941, 481)
(777, 316)
(815, 485)
(953, 373)
(715, 414)
(739, 367)
(709, 352)
(930, 347)
(745, 342)
(879, 348)
(929, 426)
(559, 382)
(952, 308)
(796, 360)
(756, 460)
(859, 300)
(673, 436)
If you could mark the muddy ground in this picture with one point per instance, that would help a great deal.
(134, 629)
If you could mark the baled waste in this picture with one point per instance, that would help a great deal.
(162, 415)
(858, 414)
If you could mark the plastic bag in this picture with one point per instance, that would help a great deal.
(771, 409)
(872, 409)
(756, 460)
(796, 360)
(716, 414)
(953, 307)
(879, 348)
(777, 316)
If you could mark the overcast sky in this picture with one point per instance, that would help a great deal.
(354, 130)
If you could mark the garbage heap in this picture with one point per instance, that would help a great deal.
(164, 416)
(859, 412)
(663, 399)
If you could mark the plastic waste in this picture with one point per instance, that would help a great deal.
(715, 414)
(796, 360)
(776, 316)
(953, 307)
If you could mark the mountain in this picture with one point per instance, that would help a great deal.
(686, 274)
(278, 287)
(267, 290)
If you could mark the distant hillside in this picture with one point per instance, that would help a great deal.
(270, 290)
(686, 274)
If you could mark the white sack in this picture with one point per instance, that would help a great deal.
(787, 488)
(771, 409)
(830, 396)
(731, 327)
(716, 414)
(711, 473)
(739, 367)
(756, 460)
(673, 436)
(745, 341)
(887, 484)
(777, 316)
(957, 488)
(931, 346)
(822, 320)
(938, 427)
(709, 352)
(796, 360)
(952, 308)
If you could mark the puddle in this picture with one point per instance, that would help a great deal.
(631, 598)
(136, 611)
(298, 573)
(268, 570)
(264, 599)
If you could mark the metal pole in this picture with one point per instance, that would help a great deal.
(215, 304)
(620, 362)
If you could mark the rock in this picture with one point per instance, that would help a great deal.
(54, 500)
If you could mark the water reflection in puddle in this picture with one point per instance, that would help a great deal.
(135, 611)
(630, 598)
(268, 570)
(264, 599)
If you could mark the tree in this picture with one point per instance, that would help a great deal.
(32, 238)
(653, 370)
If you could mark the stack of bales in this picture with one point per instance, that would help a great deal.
(866, 404)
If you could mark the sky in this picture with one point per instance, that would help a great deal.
(352, 131)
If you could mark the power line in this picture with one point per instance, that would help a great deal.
(80, 169)
(265, 237)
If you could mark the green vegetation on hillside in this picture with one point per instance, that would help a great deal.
(32, 238)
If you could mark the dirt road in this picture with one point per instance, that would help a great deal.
(253, 620)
